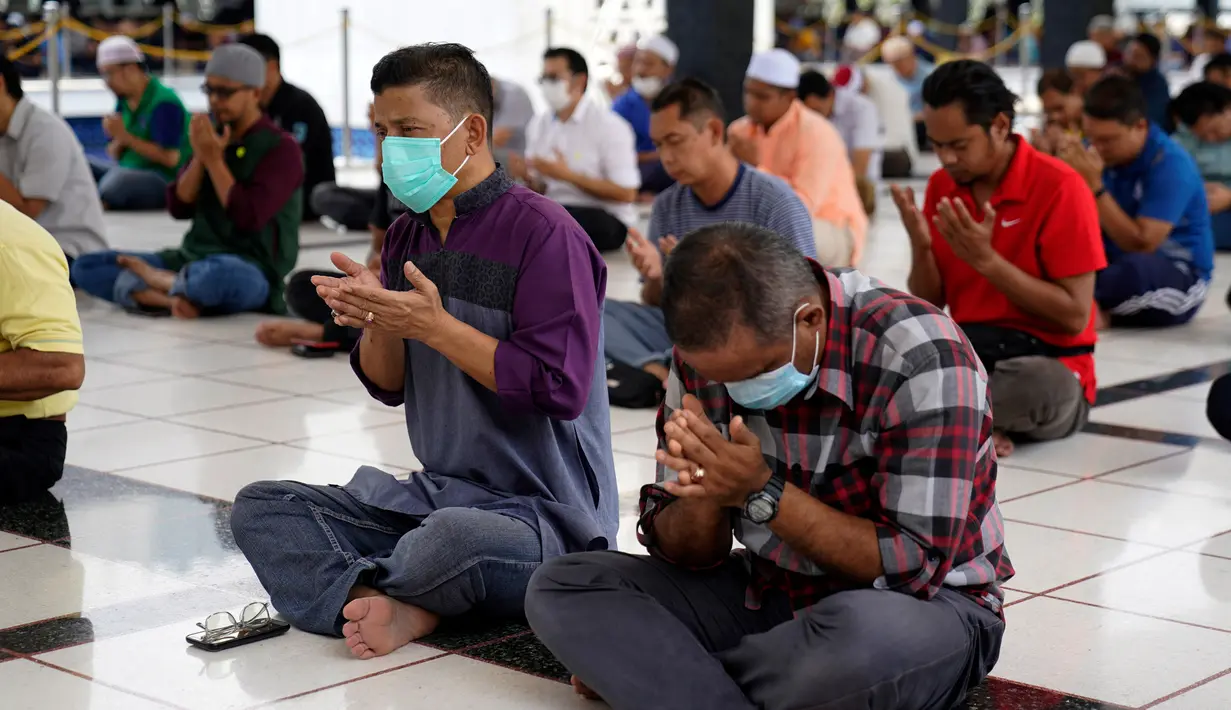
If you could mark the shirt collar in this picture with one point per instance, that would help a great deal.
(579, 113)
(1154, 143)
(1015, 184)
(478, 197)
(20, 118)
(835, 372)
(788, 121)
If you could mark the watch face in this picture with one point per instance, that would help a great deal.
(759, 508)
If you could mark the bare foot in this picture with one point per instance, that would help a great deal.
(135, 265)
(284, 333)
(182, 308)
(658, 370)
(1003, 444)
(380, 625)
(583, 690)
(154, 277)
(1102, 321)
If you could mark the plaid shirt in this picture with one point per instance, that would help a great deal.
(897, 431)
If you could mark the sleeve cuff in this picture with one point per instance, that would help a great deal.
(391, 399)
(909, 567)
(53, 344)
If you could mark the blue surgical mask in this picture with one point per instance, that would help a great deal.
(412, 170)
(777, 387)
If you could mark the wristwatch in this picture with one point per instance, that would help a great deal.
(762, 507)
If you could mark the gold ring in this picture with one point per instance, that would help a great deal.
(698, 475)
(371, 317)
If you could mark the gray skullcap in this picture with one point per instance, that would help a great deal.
(237, 62)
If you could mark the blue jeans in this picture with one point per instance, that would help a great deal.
(309, 545)
(636, 333)
(129, 188)
(219, 284)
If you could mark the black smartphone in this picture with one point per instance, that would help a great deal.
(276, 627)
(313, 350)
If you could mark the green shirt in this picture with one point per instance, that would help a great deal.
(160, 117)
(1213, 159)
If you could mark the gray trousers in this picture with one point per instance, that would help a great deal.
(645, 634)
(1037, 398)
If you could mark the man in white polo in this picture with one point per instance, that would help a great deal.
(44, 172)
(581, 154)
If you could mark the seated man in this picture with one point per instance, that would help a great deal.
(1141, 60)
(712, 186)
(1203, 111)
(44, 172)
(1009, 240)
(41, 363)
(842, 431)
(295, 111)
(1152, 209)
(345, 207)
(782, 137)
(899, 53)
(485, 322)
(859, 124)
(149, 131)
(1218, 70)
(1103, 33)
(580, 154)
(1062, 110)
(1085, 61)
(652, 68)
(242, 192)
(512, 115)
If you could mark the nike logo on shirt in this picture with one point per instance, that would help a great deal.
(1008, 223)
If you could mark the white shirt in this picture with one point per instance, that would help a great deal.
(596, 143)
(856, 118)
(893, 104)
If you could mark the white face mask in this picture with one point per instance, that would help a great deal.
(647, 86)
(555, 93)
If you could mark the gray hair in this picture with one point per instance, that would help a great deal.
(729, 273)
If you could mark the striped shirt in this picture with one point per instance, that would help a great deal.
(898, 430)
(756, 197)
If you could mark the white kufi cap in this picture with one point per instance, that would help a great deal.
(1085, 55)
(661, 46)
(776, 67)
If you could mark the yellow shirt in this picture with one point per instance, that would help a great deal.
(37, 307)
(805, 149)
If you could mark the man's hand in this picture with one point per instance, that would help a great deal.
(647, 259)
(113, 125)
(667, 244)
(1086, 161)
(360, 303)
(555, 169)
(971, 241)
(1219, 197)
(207, 143)
(711, 467)
(912, 218)
(744, 148)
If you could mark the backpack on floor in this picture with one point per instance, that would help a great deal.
(632, 387)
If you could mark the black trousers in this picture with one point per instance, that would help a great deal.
(348, 206)
(605, 230)
(303, 301)
(31, 457)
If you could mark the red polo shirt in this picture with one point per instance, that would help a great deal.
(1046, 225)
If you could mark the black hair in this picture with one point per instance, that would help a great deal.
(976, 86)
(264, 45)
(814, 83)
(1058, 80)
(576, 63)
(1218, 62)
(12, 78)
(450, 75)
(1116, 98)
(732, 272)
(698, 101)
(1200, 99)
(1151, 44)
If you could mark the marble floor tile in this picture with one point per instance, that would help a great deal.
(30, 686)
(112, 449)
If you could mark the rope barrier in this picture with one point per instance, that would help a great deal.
(22, 32)
(22, 50)
(77, 26)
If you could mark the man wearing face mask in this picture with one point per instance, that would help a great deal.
(842, 431)
(652, 68)
(485, 322)
(243, 192)
(581, 154)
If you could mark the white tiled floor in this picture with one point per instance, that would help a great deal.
(199, 407)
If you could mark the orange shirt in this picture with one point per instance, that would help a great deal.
(805, 149)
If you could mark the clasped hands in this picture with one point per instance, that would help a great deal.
(358, 300)
(708, 466)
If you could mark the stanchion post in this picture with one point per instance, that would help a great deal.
(547, 28)
(168, 39)
(1002, 21)
(63, 49)
(1025, 25)
(346, 132)
(51, 19)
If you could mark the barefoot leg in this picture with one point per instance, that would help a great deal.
(152, 299)
(154, 277)
(1003, 444)
(183, 308)
(658, 370)
(378, 625)
(284, 333)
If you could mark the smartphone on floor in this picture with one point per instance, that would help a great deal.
(313, 350)
(276, 627)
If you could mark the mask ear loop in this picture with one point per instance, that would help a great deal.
(446, 138)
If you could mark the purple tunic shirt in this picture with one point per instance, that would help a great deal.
(517, 267)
